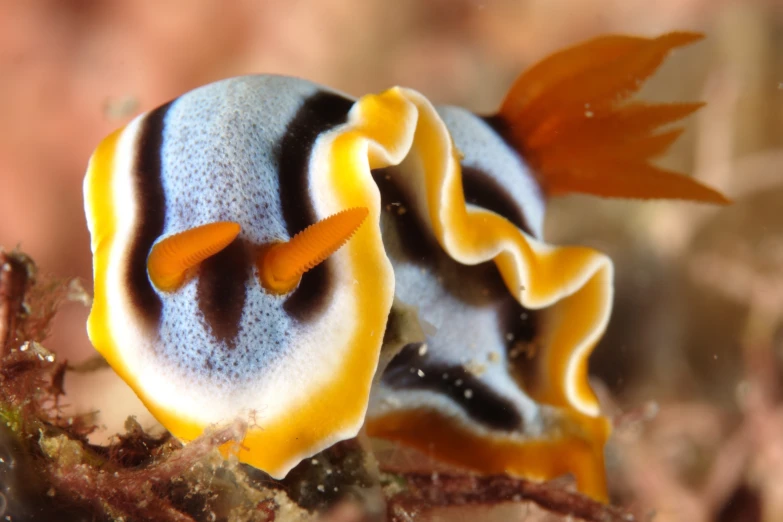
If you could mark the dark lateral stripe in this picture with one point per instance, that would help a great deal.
(417, 245)
(483, 190)
(319, 113)
(222, 290)
(150, 213)
(521, 328)
(483, 405)
(409, 239)
(516, 322)
(501, 127)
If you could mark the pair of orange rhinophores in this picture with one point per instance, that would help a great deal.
(280, 265)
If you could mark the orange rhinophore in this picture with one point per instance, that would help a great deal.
(171, 257)
(280, 266)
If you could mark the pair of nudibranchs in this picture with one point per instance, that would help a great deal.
(270, 249)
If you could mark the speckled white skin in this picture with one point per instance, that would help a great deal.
(465, 334)
(525, 256)
(483, 148)
(221, 137)
(460, 332)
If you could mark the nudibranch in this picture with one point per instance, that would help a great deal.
(252, 238)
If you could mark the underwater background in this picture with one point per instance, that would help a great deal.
(690, 364)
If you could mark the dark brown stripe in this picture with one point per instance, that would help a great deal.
(503, 129)
(483, 405)
(319, 113)
(483, 190)
(518, 322)
(222, 290)
(521, 329)
(150, 214)
(478, 285)
(417, 245)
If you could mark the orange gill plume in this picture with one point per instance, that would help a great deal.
(171, 258)
(567, 118)
(280, 266)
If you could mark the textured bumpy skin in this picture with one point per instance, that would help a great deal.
(491, 373)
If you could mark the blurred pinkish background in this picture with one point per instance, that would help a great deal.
(697, 334)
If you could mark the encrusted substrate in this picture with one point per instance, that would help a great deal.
(49, 470)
